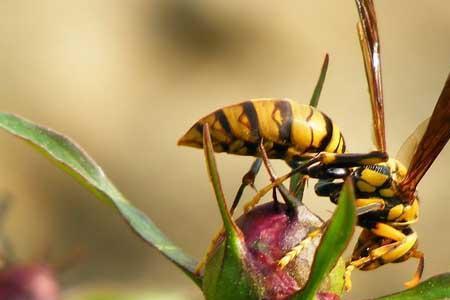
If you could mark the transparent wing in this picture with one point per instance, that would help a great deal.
(409, 147)
(433, 141)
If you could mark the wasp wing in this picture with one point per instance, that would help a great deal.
(368, 208)
(436, 136)
(370, 47)
(409, 147)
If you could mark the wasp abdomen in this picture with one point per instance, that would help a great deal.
(289, 130)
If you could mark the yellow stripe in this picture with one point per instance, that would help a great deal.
(300, 131)
(268, 128)
(218, 133)
(388, 193)
(395, 212)
(365, 187)
(411, 212)
(387, 231)
(373, 178)
(402, 249)
(319, 126)
(360, 202)
(238, 126)
(335, 138)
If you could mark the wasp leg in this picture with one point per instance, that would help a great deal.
(290, 200)
(402, 245)
(328, 188)
(402, 215)
(359, 263)
(387, 231)
(295, 251)
(325, 160)
(248, 179)
(418, 275)
(327, 165)
(301, 169)
(403, 252)
(300, 188)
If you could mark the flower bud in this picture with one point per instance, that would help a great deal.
(28, 282)
(269, 232)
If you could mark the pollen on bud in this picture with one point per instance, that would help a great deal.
(28, 282)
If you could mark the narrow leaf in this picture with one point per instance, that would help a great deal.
(334, 241)
(299, 188)
(226, 274)
(74, 160)
(293, 184)
(319, 85)
(295, 179)
(436, 287)
(230, 227)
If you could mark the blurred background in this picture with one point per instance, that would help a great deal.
(127, 78)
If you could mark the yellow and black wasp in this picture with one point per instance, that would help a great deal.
(286, 129)
(387, 236)
(289, 130)
(295, 133)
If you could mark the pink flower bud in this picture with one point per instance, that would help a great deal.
(28, 282)
(269, 232)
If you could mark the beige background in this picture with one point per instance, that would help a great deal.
(127, 78)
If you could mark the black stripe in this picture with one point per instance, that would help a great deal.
(250, 112)
(286, 121)
(343, 145)
(252, 148)
(225, 147)
(278, 151)
(337, 147)
(199, 127)
(329, 129)
(220, 116)
(386, 184)
(308, 118)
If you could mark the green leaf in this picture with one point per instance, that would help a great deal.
(334, 241)
(436, 287)
(296, 187)
(74, 160)
(230, 227)
(313, 102)
(319, 85)
(226, 275)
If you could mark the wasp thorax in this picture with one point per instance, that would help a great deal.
(398, 170)
(270, 231)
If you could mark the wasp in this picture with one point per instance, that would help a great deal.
(381, 182)
(387, 236)
(290, 131)
(286, 129)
